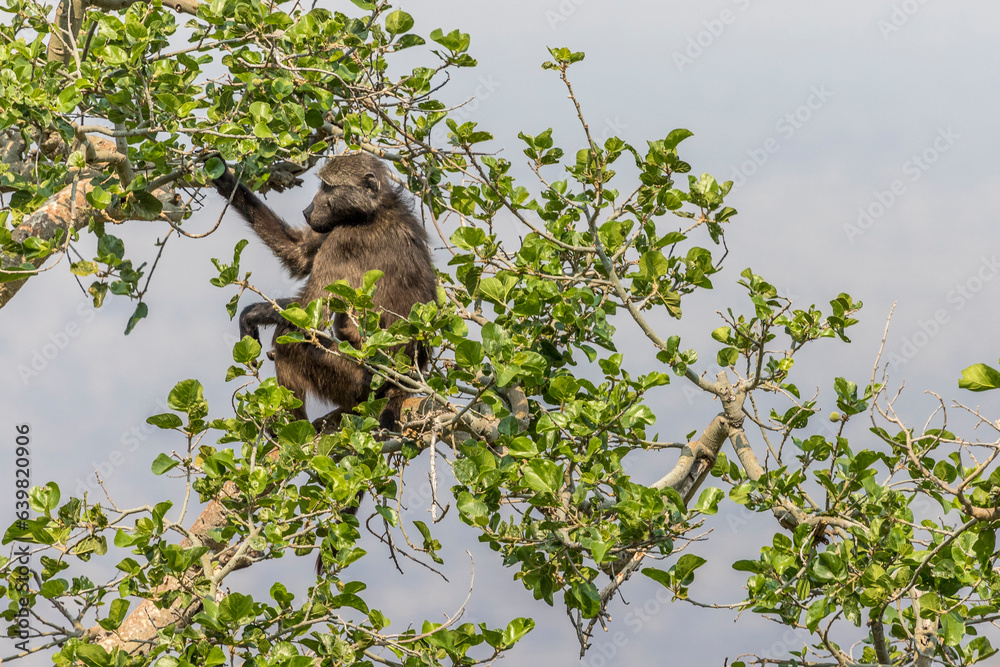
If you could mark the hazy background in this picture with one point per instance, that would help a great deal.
(819, 112)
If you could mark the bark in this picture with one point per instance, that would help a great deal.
(180, 6)
(924, 634)
(67, 210)
(69, 18)
(137, 633)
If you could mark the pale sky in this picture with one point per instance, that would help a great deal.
(863, 139)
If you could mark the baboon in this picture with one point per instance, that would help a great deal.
(357, 222)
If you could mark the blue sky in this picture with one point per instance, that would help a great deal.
(863, 138)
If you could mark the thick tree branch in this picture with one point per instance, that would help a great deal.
(66, 211)
(136, 633)
(62, 43)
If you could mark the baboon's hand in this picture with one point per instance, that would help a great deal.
(258, 315)
(249, 325)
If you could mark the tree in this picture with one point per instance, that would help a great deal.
(530, 401)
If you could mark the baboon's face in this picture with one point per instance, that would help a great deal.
(351, 192)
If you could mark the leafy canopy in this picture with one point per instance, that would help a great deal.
(533, 399)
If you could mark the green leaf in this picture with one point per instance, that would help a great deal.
(531, 363)
(98, 291)
(653, 264)
(515, 630)
(369, 280)
(215, 167)
(217, 657)
(522, 448)
(468, 238)
(298, 433)
(68, 99)
(246, 350)
(398, 21)
(389, 514)
(747, 566)
(685, 567)
(77, 160)
(816, 612)
(585, 597)
(92, 655)
(455, 40)
(565, 56)
(114, 55)
(637, 415)
(563, 388)
(45, 498)
(708, 501)
(166, 420)
(469, 354)
(543, 476)
(298, 317)
(140, 312)
(598, 549)
(930, 605)
(979, 377)
(953, 627)
(98, 197)
(116, 614)
(722, 334)
(83, 268)
(473, 509)
(407, 41)
(235, 608)
(496, 342)
(110, 250)
(261, 111)
(262, 131)
(497, 290)
(659, 576)
(672, 302)
(163, 463)
(188, 396)
(145, 205)
(727, 356)
(676, 137)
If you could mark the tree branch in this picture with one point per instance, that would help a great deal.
(136, 633)
(180, 6)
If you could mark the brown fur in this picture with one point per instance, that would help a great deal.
(358, 221)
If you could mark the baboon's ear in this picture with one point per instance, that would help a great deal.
(371, 182)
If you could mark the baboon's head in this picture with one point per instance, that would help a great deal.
(353, 189)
